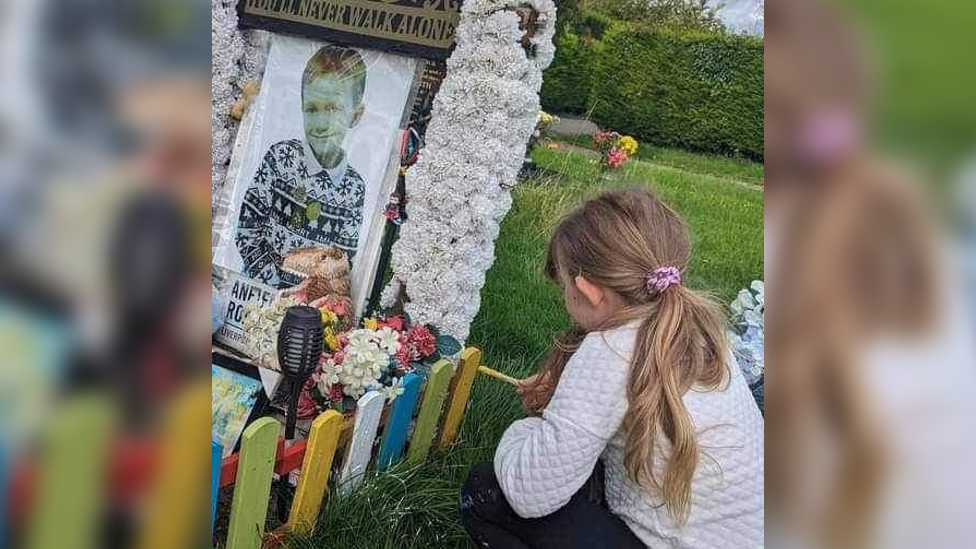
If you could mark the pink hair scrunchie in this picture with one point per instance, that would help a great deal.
(662, 278)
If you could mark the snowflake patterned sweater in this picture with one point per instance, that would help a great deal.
(542, 461)
(293, 202)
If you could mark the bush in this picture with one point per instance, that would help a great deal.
(701, 92)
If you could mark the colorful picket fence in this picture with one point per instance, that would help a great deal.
(442, 400)
(56, 500)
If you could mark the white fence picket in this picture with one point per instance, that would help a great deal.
(368, 412)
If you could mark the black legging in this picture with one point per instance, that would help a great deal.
(581, 523)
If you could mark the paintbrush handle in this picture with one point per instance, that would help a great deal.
(498, 375)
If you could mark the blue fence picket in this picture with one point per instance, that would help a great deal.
(216, 456)
(395, 437)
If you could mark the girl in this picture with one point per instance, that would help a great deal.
(645, 382)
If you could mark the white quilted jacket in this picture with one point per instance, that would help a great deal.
(542, 462)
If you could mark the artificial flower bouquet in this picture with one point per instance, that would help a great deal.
(544, 123)
(615, 149)
(261, 325)
(747, 336)
(376, 355)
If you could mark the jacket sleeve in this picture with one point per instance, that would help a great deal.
(542, 462)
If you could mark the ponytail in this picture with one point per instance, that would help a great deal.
(680, 345)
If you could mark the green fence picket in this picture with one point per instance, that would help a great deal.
(430, 411)
(252, 488)
(72, 476)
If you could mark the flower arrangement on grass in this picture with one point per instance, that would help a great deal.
(373, 357)
(615, 149)
(748, 330)
(543, 126)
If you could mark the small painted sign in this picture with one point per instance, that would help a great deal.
(236, 291)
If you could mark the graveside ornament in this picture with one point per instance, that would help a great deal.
(459, 189)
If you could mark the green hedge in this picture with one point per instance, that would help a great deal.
(701, 92)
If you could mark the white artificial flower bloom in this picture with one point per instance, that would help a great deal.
(328, 376)
(745, 299)
(361, 347)
(753, 318)
(759, 287)
(361, 337)
(389, 340)
(394, 390)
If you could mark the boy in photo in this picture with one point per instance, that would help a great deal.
(305, 193)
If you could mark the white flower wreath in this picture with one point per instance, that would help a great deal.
(459, 189)
(238, 56)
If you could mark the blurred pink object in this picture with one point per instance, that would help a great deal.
(828, 135)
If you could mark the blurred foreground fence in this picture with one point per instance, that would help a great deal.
(56, 500)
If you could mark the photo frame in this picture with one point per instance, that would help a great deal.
(315, 161)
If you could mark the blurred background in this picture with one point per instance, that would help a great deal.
(870, 199)
(104, 224)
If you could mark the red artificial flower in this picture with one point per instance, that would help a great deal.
(422, 340)
(306, 405)
(339, 356)
(393, 322)
(403, 355)
(335, 393)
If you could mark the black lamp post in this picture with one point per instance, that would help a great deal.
(300, 342)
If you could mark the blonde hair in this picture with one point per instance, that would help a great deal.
(615, 241)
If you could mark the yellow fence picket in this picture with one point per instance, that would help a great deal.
(458, 400)
(176, 511)
(252, 489)
(430, 411)
(322, 442)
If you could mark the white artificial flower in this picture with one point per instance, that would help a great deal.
(745, 300)
(759, 289)
(394, 390)
(388, 339)
(328, 375)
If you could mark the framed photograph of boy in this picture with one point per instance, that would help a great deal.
(315, 160)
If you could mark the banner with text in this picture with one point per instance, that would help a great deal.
(423, 28)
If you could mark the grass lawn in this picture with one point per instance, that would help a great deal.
(520, 314)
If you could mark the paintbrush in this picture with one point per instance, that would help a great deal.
(498, 375)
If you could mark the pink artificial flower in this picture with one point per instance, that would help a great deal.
(616, 158)
(422, 340)
(601, 137)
